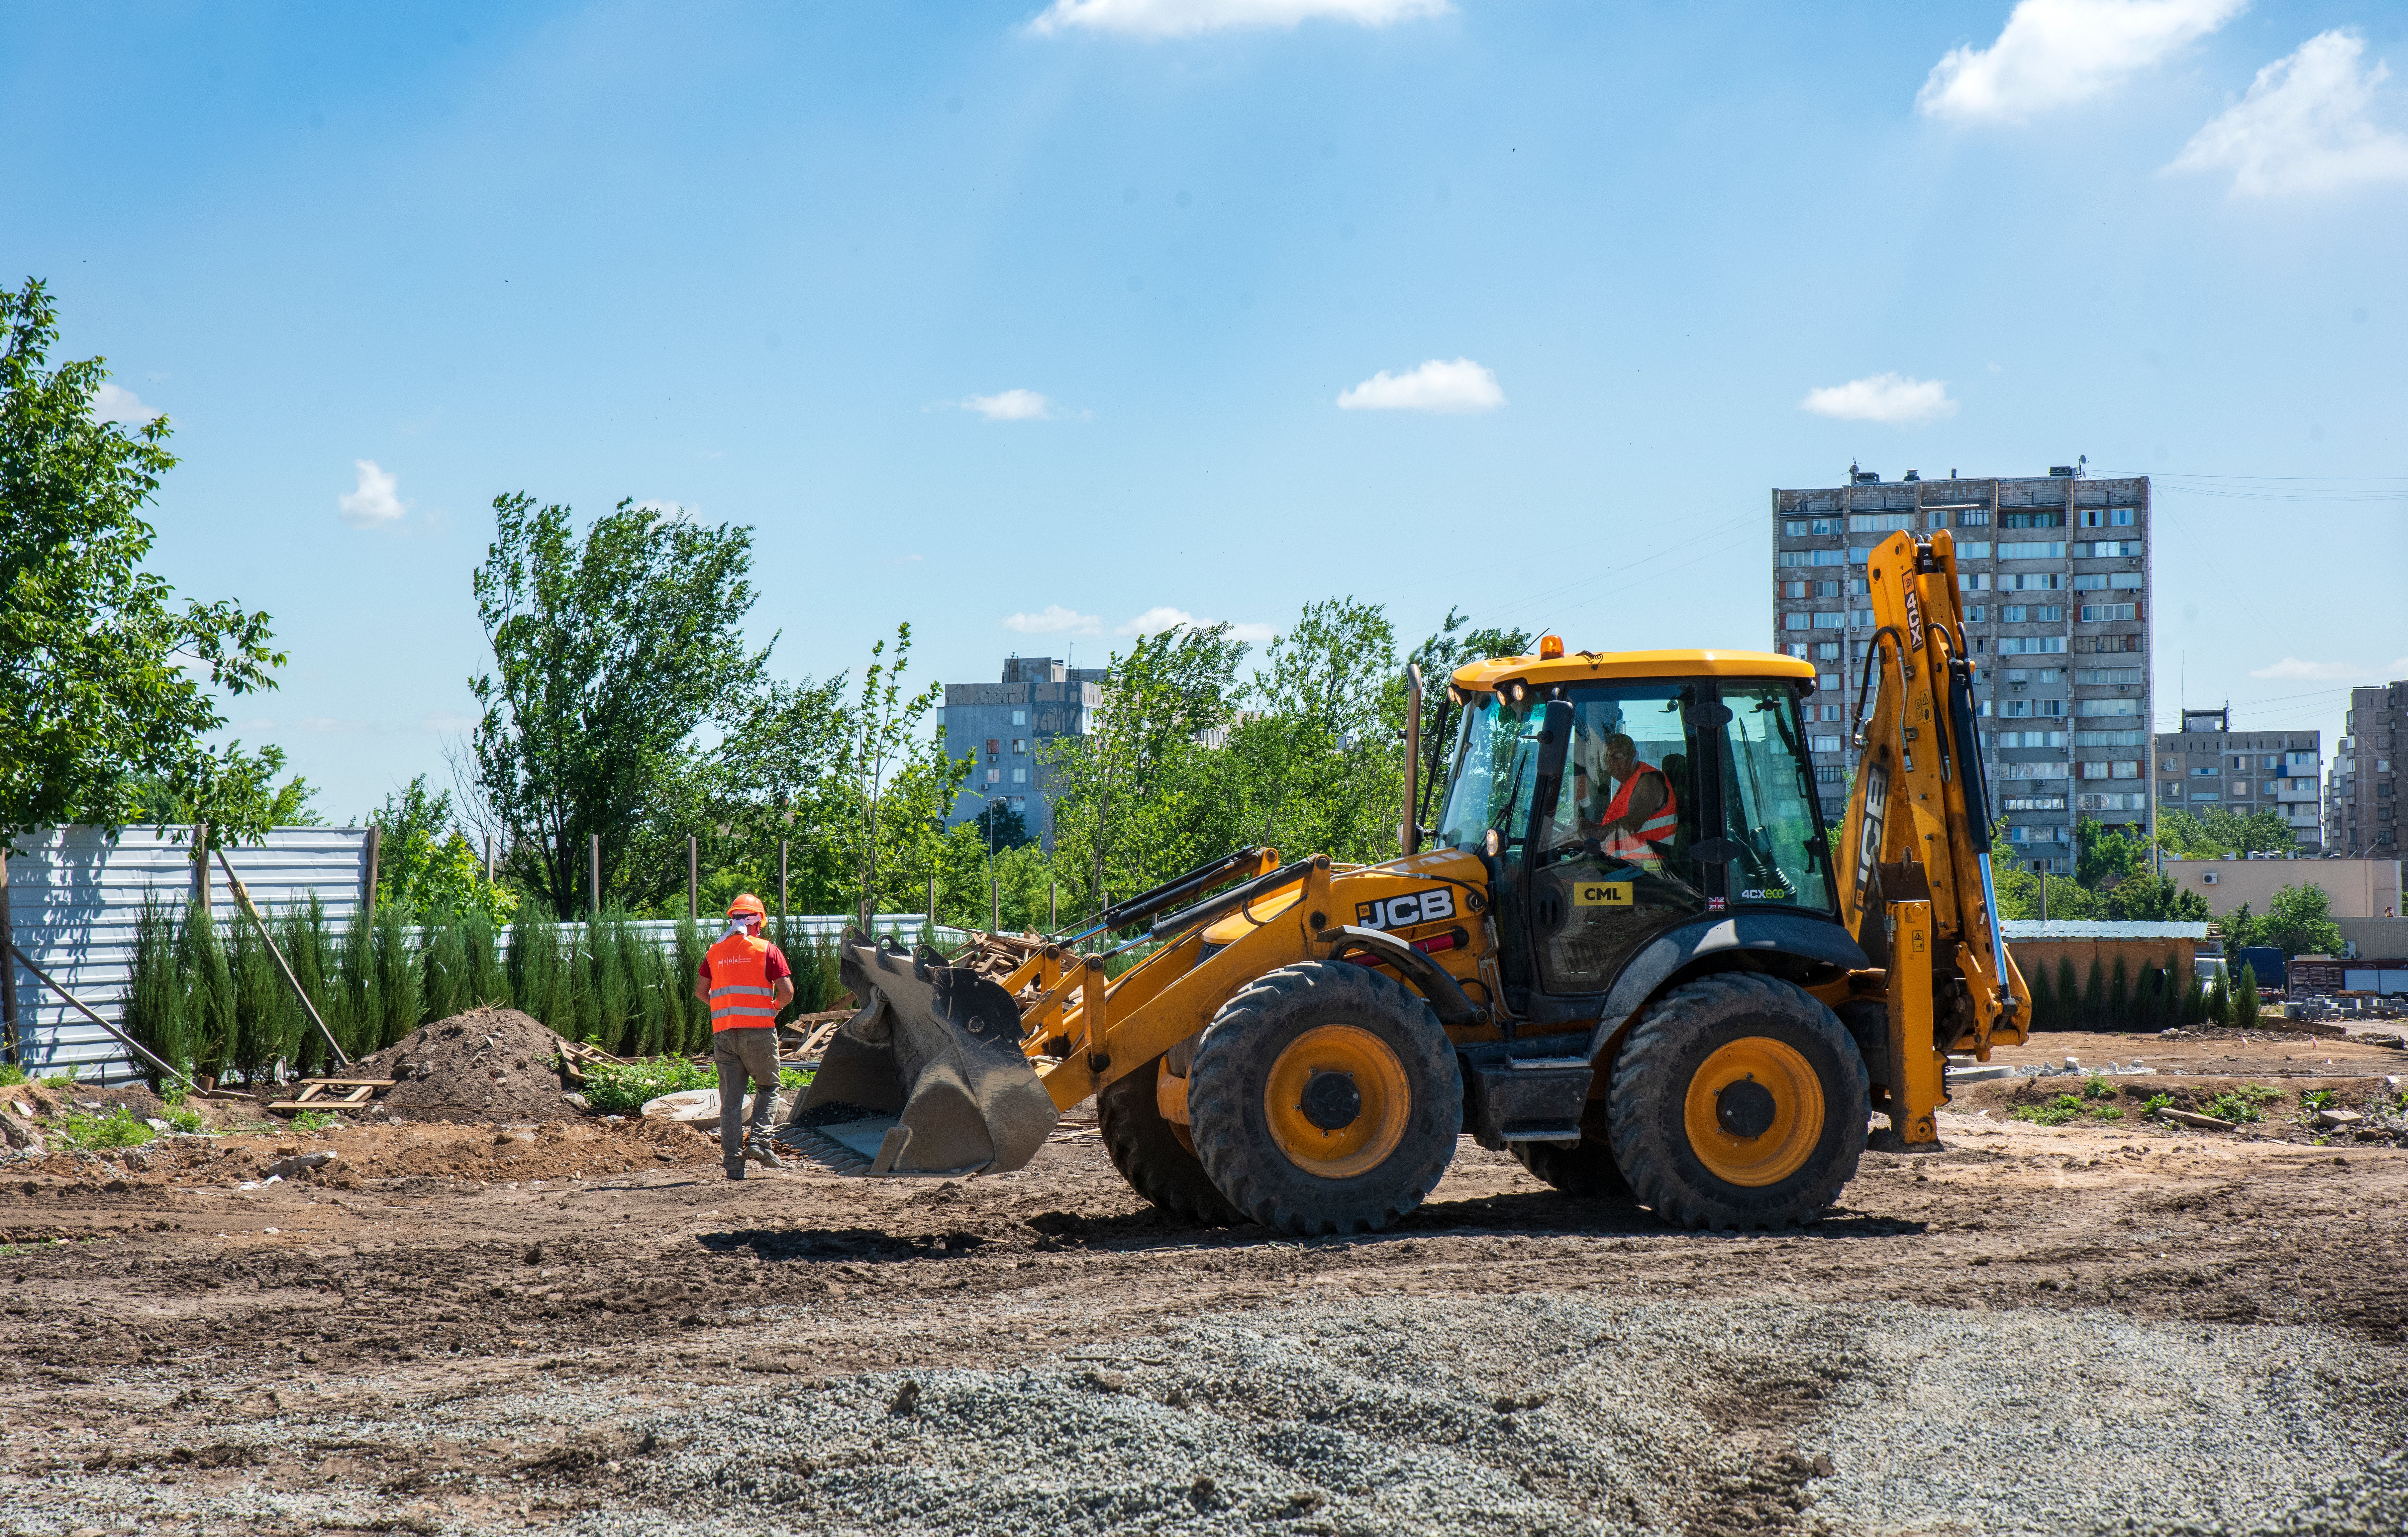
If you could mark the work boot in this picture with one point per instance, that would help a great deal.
(734, 1166)
(760, 1150)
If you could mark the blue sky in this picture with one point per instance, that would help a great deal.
(995, 326)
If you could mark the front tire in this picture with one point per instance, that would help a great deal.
(1325, 1098)
(1739, 1101)
(1149, 1152)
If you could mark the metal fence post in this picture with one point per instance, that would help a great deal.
(593, 878)
(8, 967)
(367, 873)
(692, 877)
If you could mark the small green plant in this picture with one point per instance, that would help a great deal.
(623, 1088)
(184, 1120)
(316, 1120)
(119, 1127)
(2312, 1101)
(2155, 1103)
(12, 1075)
(63, 1079)
(2245, 1103)
(2064, 1108)
(2108, 1113)
(2097, 1086)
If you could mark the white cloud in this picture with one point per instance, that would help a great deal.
(1010, 406)
(1054, 620)
(1894, 399)
(377, 502)
(2303, 127)
(444, 722)
(2291, 668)
(1462, 386)
(1186, 18)
(1163, 617)
(110, 403)
(2056, 52)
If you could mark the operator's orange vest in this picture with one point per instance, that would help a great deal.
(740, 984)
(1641, 845)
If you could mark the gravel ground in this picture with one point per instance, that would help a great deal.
(1532, 1414)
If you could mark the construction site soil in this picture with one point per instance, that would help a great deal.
(578, 1325)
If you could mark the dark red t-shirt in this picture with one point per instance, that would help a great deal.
(773, 967)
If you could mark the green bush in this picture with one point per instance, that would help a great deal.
(2246, 1103)
(2064, 1108)
(10, 1074)
(625, 1088)
(119, 1127)
(184, 1120)
(316, 1120)
(2097, 1086)
(2155, 1103)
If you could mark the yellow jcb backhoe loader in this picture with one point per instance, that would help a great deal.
(1619, 952)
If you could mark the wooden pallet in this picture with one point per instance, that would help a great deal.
(320, 1094)
(575, 1058)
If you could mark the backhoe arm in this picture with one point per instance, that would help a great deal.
(1919, 891)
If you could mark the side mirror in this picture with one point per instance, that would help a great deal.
(1547, 785)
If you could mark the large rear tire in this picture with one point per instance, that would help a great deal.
(1739, 1101)
(1151, 1155)
(1587, 1171)
(1326, 1098)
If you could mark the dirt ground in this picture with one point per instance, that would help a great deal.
(176, 1327)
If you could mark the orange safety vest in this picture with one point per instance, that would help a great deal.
(741, 995)
(1640, 847)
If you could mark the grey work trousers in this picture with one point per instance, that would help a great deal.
(741, 1053)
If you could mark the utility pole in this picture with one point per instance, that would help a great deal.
(1052, 906)
(593, 878)
(781, 883)
(367, 870)
(489, 859)
(692, 877)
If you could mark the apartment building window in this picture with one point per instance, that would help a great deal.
(1827, 680)
(2030, 581)
(1973, 581)
(1796, 648)
(1973, 549)
(1863, 618)
(1880, 523)
(2198, 772)
(1859, 587)
(2112, 738)
(2089, 644)
(2110, 706)
(2107, 675)
(994, 747)
(2240, 788)
(2097, 613)
(2032, 520)
(2035, 803)
(2204, 792)
(1824, 744)
(1829, 619)
(2124, 768)
(2030, 645)
(1020, 776)
(1834, 712)
(1830, 773)
(995, 776)
(2031, 550)
(2107, 517)
(2032, 613)
(2106, 549)
(1975, 615)
(2090, 770)
(1020, 717)
(1827, 650)
(1020, 804)
(1020, 747)
(1794, 528)
(1793, 589)
(1827, 589)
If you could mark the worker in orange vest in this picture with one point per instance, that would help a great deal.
(746, 981)
(1643, 811)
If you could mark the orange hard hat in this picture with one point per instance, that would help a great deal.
(745, 905)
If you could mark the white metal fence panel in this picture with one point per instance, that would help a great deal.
(74, 898)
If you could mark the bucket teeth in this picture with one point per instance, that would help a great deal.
(927, 1079)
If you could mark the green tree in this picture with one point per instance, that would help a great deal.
(2240, 928)
(2156, 898)
(2299, 919)
(424, 863)
(2102, 857)
(103, 673)
(1322, 766)
(612, 651)
(897, 786)
(2244, 999)
(2214, 834)
(1000, 828)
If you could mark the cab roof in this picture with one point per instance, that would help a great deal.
(1603, 666)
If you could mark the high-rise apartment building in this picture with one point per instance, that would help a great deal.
(2055, 576)
(2207, 765)
(2362, 796)
(1002, 728)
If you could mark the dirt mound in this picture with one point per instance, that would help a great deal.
(485, 1065)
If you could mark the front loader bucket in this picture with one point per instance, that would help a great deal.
(927, 1079)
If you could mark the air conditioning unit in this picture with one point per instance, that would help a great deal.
(2207, 877)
